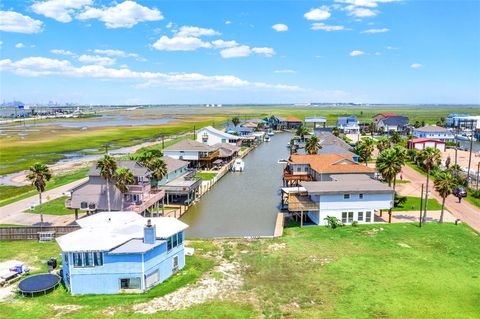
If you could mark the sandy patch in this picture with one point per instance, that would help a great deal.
(205, 289)
(276, 247)
(62, 310)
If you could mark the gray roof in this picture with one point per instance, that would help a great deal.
(334, 149)
(136, 246)
(136, 168)
(173, 164)
(327, 138)
(226, 149)
(395, 120)
(348, 183)
(189, 145)
(432, 128)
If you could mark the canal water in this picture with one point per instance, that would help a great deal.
(243, 204)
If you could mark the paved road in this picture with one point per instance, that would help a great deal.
(14, 212)
(465, 211)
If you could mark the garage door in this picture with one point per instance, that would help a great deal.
(152, 279)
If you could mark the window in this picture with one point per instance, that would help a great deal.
(350, 217)
(83, 205)
(180, 238)
(77, 259)
(368, 217)
(175, 242)
(98, 258)
(346, 196)
(224, 140)
(344, 217)
(88, 259)
(169, 243)
(299, 169)
(65, 256)
(360, 216)
(175, 263)
(360, 196)
(130, 283)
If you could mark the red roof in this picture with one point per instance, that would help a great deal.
(387, 114)
(293, 119)
(423, 140)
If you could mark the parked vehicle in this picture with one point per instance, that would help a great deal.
(460, 192)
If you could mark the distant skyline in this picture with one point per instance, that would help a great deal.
(227, 52)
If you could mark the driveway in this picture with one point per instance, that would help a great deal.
(14, 213)
(465, 211)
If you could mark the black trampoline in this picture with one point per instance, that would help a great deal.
(37, 284)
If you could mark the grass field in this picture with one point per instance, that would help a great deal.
(413, 204)
(369, 271)
(10, 194)
(205, 175)
(472, 200)
(53, 207)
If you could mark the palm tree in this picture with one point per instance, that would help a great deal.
(388, 165)
(364, 149)
(382, 144)
(302, 131)
(312, 145)
(336, 131)
(158, 168)
(401, 154)
(429, 158)
(107, 166)
(444, 183)
(39, 175)
(123, 178)
(235, 121)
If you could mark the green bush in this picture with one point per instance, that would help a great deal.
(333, 222)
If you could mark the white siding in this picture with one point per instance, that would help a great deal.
(369, 201)
(188, 155)
(213, 138)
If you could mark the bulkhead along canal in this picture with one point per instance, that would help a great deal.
(243, 204)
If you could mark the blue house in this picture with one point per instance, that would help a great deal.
(348, 124)
(121, 252)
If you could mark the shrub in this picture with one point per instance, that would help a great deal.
(333, 222)
(354, 223)
(474, 192)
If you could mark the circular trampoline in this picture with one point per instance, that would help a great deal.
(37, 284)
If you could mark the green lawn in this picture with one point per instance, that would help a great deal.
(53, 207)
(205, 175)
(10, 194)
(369, 271)
(413, 204)
(472, 200)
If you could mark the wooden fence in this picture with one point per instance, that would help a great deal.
(31, 232)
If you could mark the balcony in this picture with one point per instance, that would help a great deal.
(299, 203)
(149, 200)
(208, 156)
(299, 176)
(140, 188)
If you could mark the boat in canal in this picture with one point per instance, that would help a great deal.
(238, 165)
(267, 138)
(465, 137)
(271, 133)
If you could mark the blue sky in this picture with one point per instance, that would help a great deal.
(135, 52)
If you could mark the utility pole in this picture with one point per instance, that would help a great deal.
(469, 161)
(163, 141)
(194, 137)
(421, 206)
(478, 174)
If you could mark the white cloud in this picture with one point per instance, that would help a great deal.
(280, 27)
(285, 71)
(60, 10)
(1, 44)
(356, 53)
(62, 52)
(321, 13)
(328, 28)
(11, 21)
(376, 30)
(40, 66)
(220, 44)
(361, 12)
(191, 31)
(416, 66)
(365, 3)
(169, 25)
(268, 52)
(228, 22)
(179, 44)
(19, 45)
(96, 59)
(245, 50)
(123, 15)
(236, 52)
(118, 53)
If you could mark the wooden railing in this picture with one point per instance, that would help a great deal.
(209, 156)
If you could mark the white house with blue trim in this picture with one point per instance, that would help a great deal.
(434, 132)
(121, 252)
